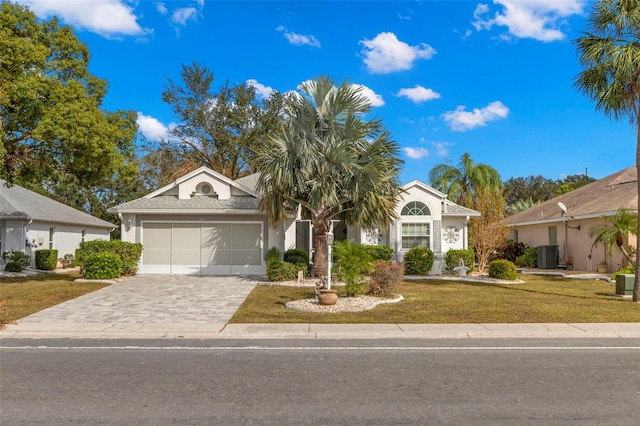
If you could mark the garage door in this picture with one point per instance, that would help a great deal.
(202, 248)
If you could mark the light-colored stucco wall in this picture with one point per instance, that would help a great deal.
(66, 238)
(188, 187)
(576, 243)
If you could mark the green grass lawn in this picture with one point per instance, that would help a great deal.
(23, 296)
(539, 299)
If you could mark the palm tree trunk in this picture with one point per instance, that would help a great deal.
(320, 229)
(636, 286)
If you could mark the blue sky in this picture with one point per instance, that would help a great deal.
(492, 78)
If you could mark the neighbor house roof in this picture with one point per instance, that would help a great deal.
(250, 181)
(602, 197)
(17, 202)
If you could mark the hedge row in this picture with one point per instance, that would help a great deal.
(129, 253)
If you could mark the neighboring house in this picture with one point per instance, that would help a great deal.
(547, 225)
(30, 221)
(205, 223)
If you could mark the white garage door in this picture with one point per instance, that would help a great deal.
(202, 248)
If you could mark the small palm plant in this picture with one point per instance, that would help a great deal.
(615, 230)
(353, 262)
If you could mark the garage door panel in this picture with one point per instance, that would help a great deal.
(157, 235)
(185, 257)
(247, 236)
(246, 257)
(215, 257)
(186, 236)
(157, 257)
(218, 235)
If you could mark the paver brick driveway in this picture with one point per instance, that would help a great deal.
(154, 299)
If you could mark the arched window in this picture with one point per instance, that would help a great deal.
(415, 208)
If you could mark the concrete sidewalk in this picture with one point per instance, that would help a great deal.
(317, 331)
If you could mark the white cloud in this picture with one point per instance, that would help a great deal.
(183, 15)
(262, 90)
(416, 153)
(537, 19)
(460, 120)
(104, 17)
(418, 94)
(299, 39)
(161, 8)
(385, 53)
(375, 99)
(441, 148)
(151, 128)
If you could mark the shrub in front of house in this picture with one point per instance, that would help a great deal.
(509, 250)
(385, 278)
(529, 258)
(352, 263)
(281, 271)
(503, 269)
(379, 253)
(452, 259)
(13, 267)
(298, 257)
(102, 266)
(67, 260)
(273, 255)
(129, 253)
(46, 259)
(16, 256)
(418, 261)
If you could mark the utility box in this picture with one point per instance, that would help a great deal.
(625, 283)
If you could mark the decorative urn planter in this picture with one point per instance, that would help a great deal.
(327, 297)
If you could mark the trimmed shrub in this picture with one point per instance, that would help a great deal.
(281, 271)
(13, 266)
(17, 256)
(378, 253)
(102, 266)
(452, 259)
(529, 258)
(418, 261)
(386, 278)
(46, 259)
(273, 255)
(67, 260)
(298, 257)
(503, 269)
(129, 253)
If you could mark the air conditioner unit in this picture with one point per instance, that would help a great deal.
(547, 257)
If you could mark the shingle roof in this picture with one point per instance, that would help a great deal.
(604, 196)
(250, 181)
(17, 202)
(453, 209)
(171, 202)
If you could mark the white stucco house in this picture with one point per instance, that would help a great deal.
(205, 223)
(30, 221)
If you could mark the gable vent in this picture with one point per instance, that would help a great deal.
(204, 189)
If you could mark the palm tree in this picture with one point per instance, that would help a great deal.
(610, 55)
(462, 183)
(330, 162)
(615, 231)
(522, 205)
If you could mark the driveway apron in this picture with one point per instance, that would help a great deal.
(154, 299)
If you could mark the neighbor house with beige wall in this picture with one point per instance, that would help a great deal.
(546, 224)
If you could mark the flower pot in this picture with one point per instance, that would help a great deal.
(327, 297)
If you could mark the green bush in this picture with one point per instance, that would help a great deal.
(385, 278)
(418, 261)
(300, 258)
(626, 270)
(503, 269)
(17, 256)
(102, 266)
(509, 250)
(46, 259)
(353, 262)
(129, 253)
(452, 259)
(67, 260)
(273, 255)
(13, 266)
(281, 271)
(529, 258)
(378, 253)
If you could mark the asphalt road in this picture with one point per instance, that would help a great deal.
(320, 382)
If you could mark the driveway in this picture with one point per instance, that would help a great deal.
(154, 299)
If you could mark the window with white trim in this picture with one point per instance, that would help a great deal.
(415, 208)
(416, 235)
(52, 232)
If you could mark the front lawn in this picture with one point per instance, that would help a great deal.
(23, 296)
(539, 299)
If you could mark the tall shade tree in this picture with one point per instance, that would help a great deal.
(615, 231)
(609, 52)
(329, 161)
(487, 232)
(52, 125)
(462, 183)
(219, 129)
